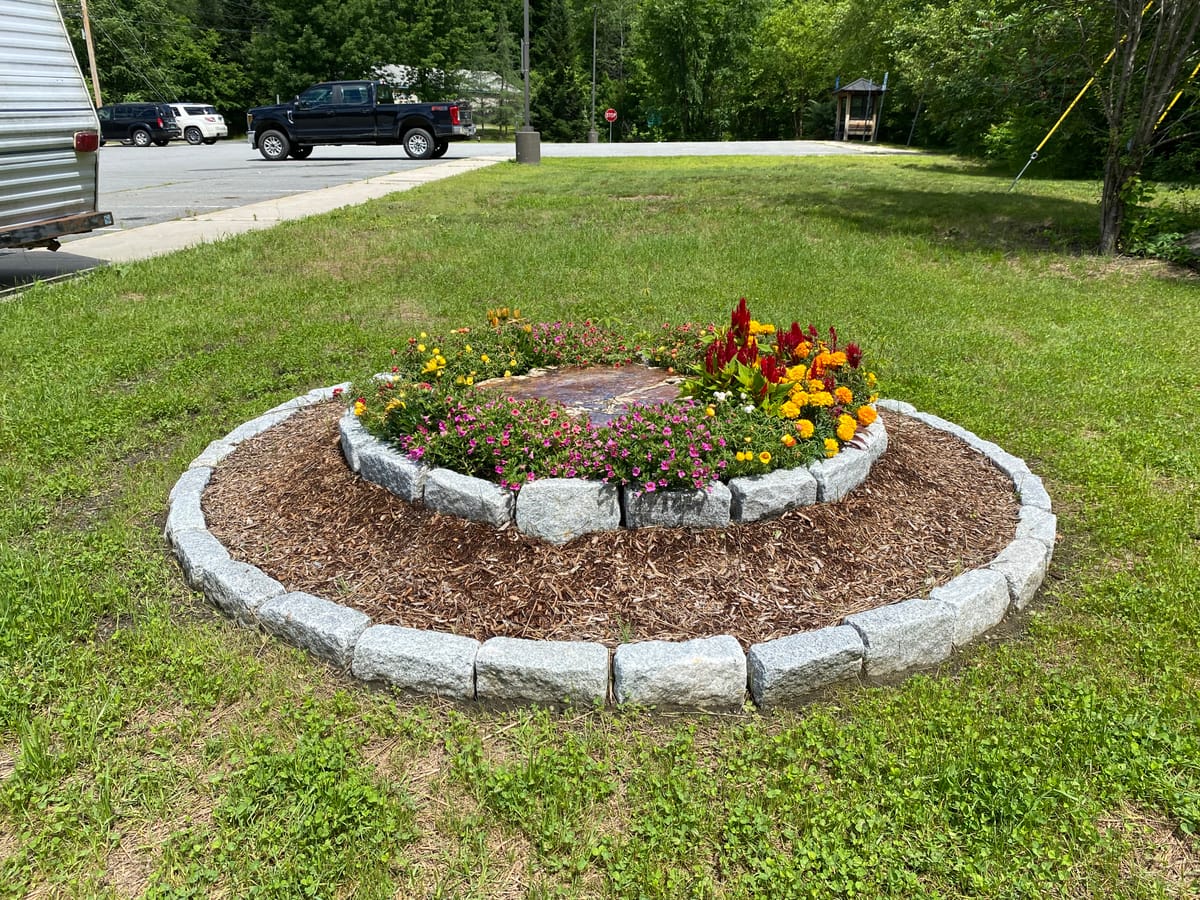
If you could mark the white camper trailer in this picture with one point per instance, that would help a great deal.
(49, 134)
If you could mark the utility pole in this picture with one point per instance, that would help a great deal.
(91, 52)
(529, 142)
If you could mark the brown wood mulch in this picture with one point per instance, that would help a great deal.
(287, 503)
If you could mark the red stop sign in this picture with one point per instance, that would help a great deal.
(610, 115)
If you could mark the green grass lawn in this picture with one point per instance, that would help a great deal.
(149, 746)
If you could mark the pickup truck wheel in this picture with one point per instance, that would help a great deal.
(274, 145)
(193, 135)
(140, 137)
(300, 152)
(418, 143)
(440, 148)
(161, 143)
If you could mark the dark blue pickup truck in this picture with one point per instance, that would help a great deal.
(356, 112)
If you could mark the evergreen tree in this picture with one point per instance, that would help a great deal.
(557, 105)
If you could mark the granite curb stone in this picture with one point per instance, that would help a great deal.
(907, 635)
(416, 661)
(755, 497)
(454, 494)
(543, 672)
(389, 468)
(1039, 524)
(324, 628)
(237, 588)
(707, 672)
(978, 598)
(701, 508)
(1023, 564)
(198, 552)
(789, 669)
(838, 476)
(703, 673)
(559, 509)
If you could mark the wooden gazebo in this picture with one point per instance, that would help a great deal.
(859, 104)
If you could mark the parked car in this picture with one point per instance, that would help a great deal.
(199, 122)
(140, 124)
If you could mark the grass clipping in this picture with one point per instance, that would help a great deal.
(287, 503)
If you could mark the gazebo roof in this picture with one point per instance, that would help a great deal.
(860, 86)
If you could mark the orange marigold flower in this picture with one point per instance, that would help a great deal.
(804, 428)
(846, 427)
(837, 359)
(844, 394)
(866, 415)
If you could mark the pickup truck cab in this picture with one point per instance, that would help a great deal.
(356, 112)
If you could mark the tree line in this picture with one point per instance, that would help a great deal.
(981, 77)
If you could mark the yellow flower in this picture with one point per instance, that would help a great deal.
(424, 335)
(483, 357)
(441, 360)
(764, 457)
(788, 440)
(804, 428)
(844, 394)
(871, 379)
(527, 329)
(866, 415)
(761, 327)
(394, 403)
(798, 396)
(467, 348)
(789, 410)
(420, 348)
(359, 407)
(512, 363)
(470, 381)
(831, 448)
(507, 373)
(821, 398)
(846, 427)
(748, 439)
(460, 380)
(797, 373)
(709, 411)
(437, 352)
(815, 385)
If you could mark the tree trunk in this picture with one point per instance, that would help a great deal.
(1112, 202)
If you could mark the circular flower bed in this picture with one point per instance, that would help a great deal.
(754, 399)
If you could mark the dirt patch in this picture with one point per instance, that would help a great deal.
(1157, 849)
(287, 503)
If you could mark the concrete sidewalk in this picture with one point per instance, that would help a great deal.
(167, 237)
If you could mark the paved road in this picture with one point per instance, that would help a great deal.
(156, 185)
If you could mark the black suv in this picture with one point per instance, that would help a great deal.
(140, 124)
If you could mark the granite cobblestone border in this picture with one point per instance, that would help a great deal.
(707, 673)
(541, 510)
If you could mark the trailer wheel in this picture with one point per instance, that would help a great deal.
(418, 143)
(140, 137)
(274, 145)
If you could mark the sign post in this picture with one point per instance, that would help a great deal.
(610, 116)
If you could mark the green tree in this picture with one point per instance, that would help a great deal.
(692, 55)
(556, 107)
